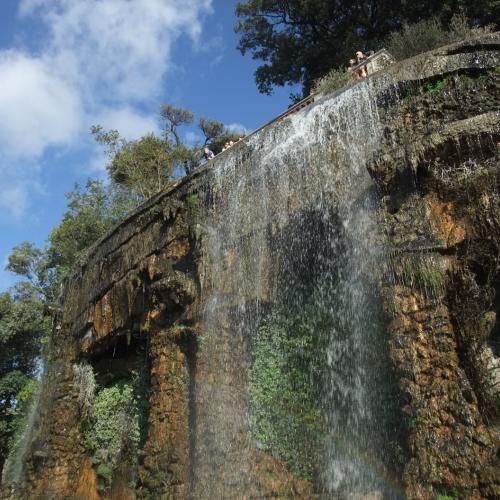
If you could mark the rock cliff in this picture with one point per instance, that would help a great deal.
(386, 197)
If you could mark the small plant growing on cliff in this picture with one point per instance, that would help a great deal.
(416, 421)
(422, 272)
(113, 432)
(85, 382)
(438, 86)
(335, 79)
(285, 388)
(203, 339)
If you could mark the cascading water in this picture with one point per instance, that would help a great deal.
(292, 227)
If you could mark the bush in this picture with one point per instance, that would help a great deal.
(17, 429)
(333, 80)
(285, 388)
(84, 379)
(429, 34)
(113, 432)
(24, 401)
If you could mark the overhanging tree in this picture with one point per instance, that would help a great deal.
(300, 40)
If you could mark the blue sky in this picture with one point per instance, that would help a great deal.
(68, 64)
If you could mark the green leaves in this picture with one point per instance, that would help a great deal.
(144, 165)
(112, 428)
(114, 423)
(88, 217)
(285, 386)
(299, 41)
(25, 260)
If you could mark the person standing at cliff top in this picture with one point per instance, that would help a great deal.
(362, 72)
(208, 153)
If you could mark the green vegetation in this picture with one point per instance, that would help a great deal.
(145, 166)
(285, 387)
(452, 494)
(410, 40)
(438, 86)
(299, 41)
(203, 338)
(22, 326)
(431, 33)
(416, 422)
(113, 429)
(423, 273)
(335, 79)
(25, 399)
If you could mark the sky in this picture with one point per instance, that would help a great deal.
(68, 64)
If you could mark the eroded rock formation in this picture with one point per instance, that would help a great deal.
(137, 302)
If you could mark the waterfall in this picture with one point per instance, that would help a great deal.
(291, 227)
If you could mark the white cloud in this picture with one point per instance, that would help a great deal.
(120, 49)
(130, 123)
(238, 128)
(36, 107)
(14, 200)
(96, 55)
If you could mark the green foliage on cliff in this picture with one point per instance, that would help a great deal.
(437, 86)
(427, 34)
(115, 424)
(421, 272)
(113, 418)
(410, 40)
(112, 431)
(299, 41)
(285, 387)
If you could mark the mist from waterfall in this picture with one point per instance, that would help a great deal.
(292, 215)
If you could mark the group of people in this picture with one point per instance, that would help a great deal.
(209, 154)
(355, 65)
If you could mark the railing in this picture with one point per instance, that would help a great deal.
(375, 62)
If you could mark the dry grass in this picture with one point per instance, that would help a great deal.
(429, 34)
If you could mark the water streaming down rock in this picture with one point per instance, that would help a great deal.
(249, 293)
(296, 218)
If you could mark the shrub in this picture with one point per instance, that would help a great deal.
(438, 86)
(25, 399)
(429, 34)
(422, 272)
(85, 381)
(113, 432)
(285, 388)
(333, 80)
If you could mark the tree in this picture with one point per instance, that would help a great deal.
(147, 165)
(22, 326)
(174, 118)
(301, 40)
(91, 212)
(211, 129)
(144, 165)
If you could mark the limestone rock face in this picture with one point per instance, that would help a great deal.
(439, 173)
(137, 302)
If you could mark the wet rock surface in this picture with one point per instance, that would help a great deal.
(439, 172)
(145, 284)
